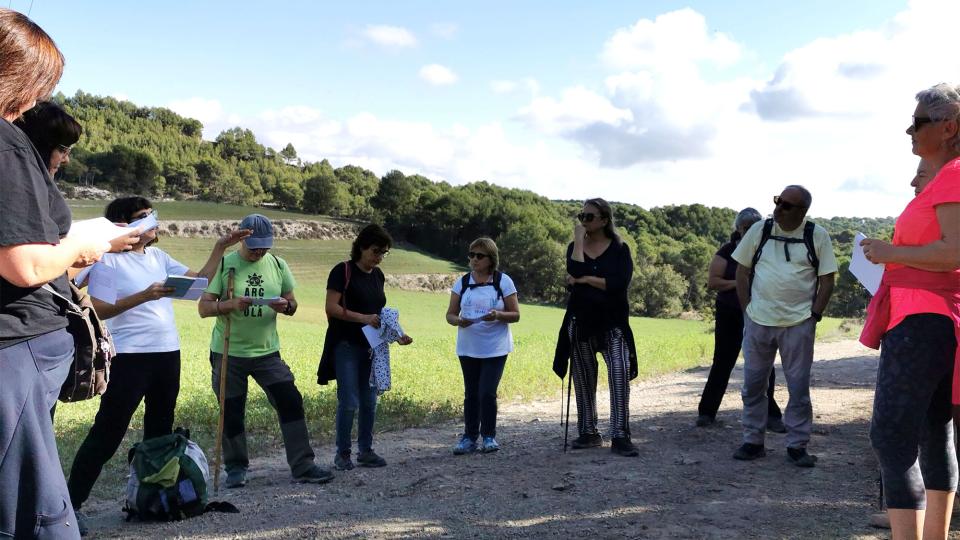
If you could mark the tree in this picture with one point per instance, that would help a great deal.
(289, 154)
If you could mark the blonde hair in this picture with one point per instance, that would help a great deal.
(30, 63)
(490, 247)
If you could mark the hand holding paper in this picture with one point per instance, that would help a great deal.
(869, 274)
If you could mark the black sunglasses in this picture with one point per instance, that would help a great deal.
(477, 256)
(920, 121)
(586, 217)
(787, 206)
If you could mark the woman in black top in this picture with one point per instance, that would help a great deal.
(728, 330)
(35, 348)
(354, 299)
(597, 320)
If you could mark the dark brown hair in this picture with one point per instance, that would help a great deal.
(371, 235)
(30, 63)
(606, 212)
(48, 126)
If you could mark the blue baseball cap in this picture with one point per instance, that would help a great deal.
(262, 228)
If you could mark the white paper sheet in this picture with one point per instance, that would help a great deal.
(102, 283)
(868, 273)
(264, 301)
(146, 224)
(373, 335)
(100, 227)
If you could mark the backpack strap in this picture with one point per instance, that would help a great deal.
(497, 277)
(466, 285)
(346, 284)
(764, 236)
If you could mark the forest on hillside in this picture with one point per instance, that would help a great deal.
(157, 153)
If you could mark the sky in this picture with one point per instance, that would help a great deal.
(652, 103)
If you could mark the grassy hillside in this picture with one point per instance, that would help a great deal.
(84, 209)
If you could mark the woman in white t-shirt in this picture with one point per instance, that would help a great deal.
(147, 365)
(482, 304)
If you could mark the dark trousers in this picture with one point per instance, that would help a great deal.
(727, 340)
(355, 397)
(912, 427)
(134, 377)
(275, 378)
(33, 494)
(481, 377)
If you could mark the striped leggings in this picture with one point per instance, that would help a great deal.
(584, 369)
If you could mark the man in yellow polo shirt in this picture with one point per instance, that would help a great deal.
(783, 288)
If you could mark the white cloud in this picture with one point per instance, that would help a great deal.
(390, 36)
(438, 75)
(445, 30)
(505, 86)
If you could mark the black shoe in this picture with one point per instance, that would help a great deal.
(800, 457)
(776, 425)
(370, 459)
(315, 475)
(749, 452)
(623, 446)
(705, 420)
(342, 461)
(588, 440)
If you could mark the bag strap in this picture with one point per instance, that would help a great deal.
(346, 285)
(68, 304)
(466, 285)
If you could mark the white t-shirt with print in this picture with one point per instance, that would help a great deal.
(149, 327)
(483, 339)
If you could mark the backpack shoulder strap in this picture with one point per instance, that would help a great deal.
(497, 276)
(464, 285)
(811, 247)
(764, 236)
(346, 284)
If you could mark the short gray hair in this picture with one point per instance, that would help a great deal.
(943, 103)
(804, 192)
(745, 218)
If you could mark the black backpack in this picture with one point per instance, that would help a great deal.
(807, 240)
(465, 284)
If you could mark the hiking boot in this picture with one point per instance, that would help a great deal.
(587, 440)
(370, 459)
(489, 445)
(82, 527)
(236, 478)
(705, 420)
(465, 446)
(800, 457)
(623, 446)
(750, 452)
(315, 475)
(776, 425)
(342, 461)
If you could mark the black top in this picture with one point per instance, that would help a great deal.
(32, 211)
(597, 310)
(728, 298)
(364, 295)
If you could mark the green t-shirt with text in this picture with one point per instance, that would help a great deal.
(253, 331)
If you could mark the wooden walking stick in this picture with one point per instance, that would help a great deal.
(223, 388)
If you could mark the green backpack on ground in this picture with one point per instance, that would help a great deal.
(168, 479)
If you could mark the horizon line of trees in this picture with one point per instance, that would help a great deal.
(156, 152)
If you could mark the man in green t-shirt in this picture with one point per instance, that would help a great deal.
(262, 289)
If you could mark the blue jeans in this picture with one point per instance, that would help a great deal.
(34, 502)
(353, 364)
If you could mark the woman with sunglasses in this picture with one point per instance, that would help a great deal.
(915, 320)
(355, 298)
(728, 330)
(482, 305)
(147, 365)
(600, 268)
(52, 131)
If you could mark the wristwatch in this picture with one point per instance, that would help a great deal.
(816, 316)
(289, 309)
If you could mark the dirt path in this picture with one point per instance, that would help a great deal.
(683, 485)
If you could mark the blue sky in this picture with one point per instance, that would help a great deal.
(647, 102)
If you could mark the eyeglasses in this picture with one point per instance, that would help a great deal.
(586, 217)
(477, 256)
(149, 212)
(65, 150)
(787, 206)
(920, 121)
(380, 252)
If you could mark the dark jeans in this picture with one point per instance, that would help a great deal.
(481, 377)
(34, 502)
(727, 339)
(134, 377)
(354, 394)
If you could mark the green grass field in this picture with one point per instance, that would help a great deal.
(427, 384)
(84, 209)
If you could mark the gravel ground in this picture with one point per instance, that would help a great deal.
(684, 484)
